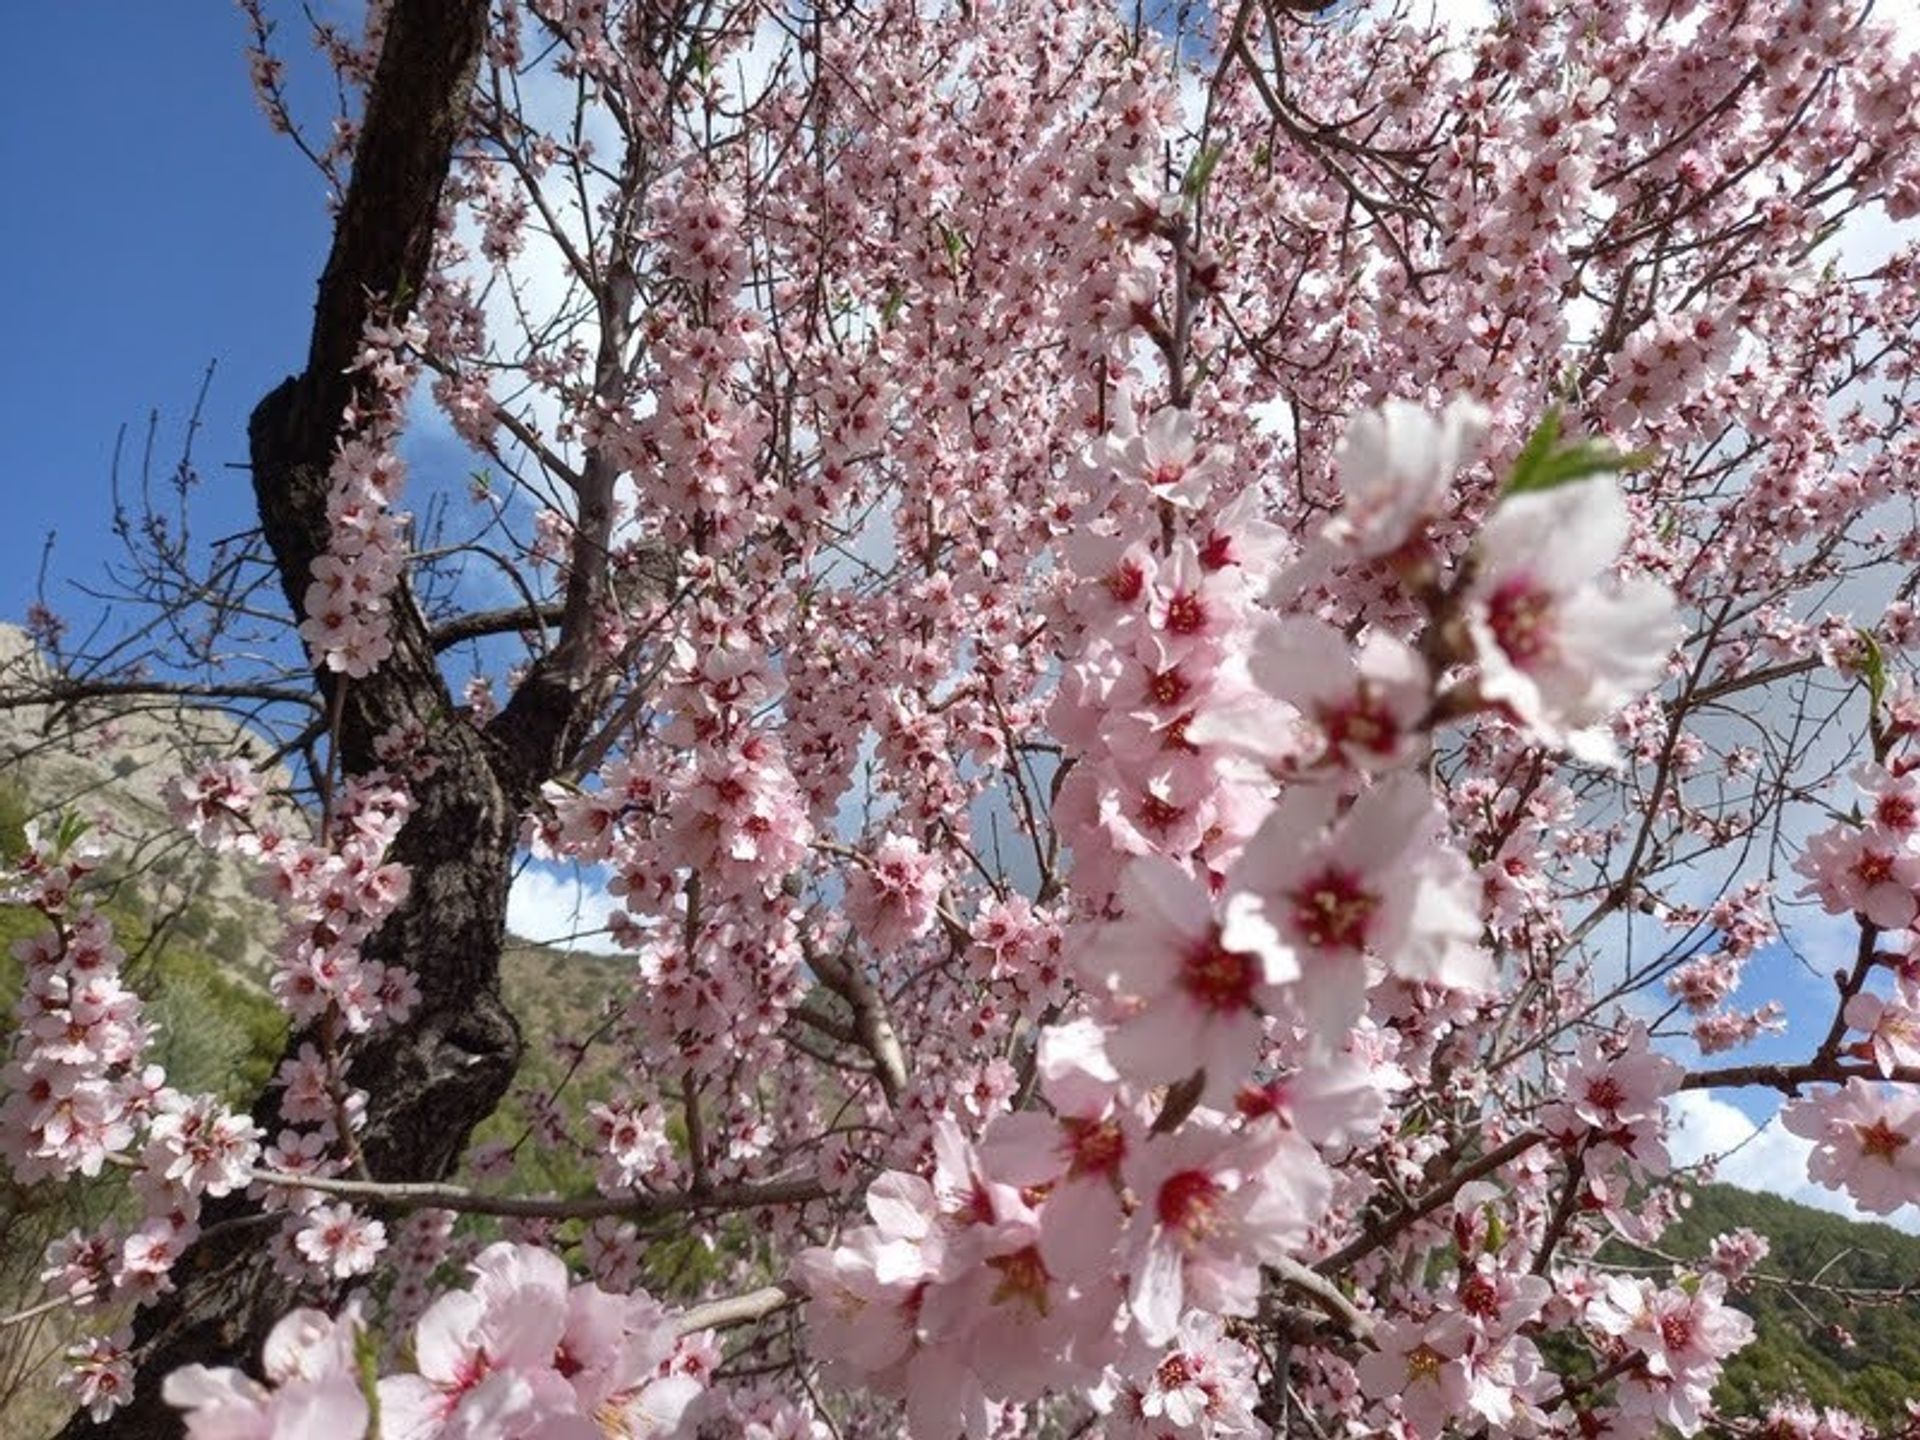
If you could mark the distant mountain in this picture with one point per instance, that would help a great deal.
(1836, 1306)
(110, 761)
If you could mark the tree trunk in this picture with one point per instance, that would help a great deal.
(430, 1081)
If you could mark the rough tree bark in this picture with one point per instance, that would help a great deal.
(432, 1080)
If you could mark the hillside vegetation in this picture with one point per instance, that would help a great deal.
(1836, 1306)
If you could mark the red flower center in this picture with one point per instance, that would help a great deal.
(1168, 687)
(1185, 614)
(1094, 1147)
(1896, 811)
(1874, 867)
(1676, 1330)
(1361, 723)
(1521, 616)
(1217, 978)
(1174, 1372)
(1189, 1204)
(1881, 1140)
(1158, 814)
(1604, 1093)
(1166, 474)
(1480, 1296)
(1126, 582)
(1333, 910)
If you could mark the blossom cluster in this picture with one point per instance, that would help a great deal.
(520, 1353)
(333, 891)
(1284, 883)
(80, 1094)
(353, 581)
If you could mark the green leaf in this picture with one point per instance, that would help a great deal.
(1496, 1231)
(1873, 667)
(889, 312)
(1547, 461)
(366, 1354)
(1534, 453)
(1201, 171)
(67, 834)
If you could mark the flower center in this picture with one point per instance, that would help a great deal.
(1479, 1296)
(1189, 1204)
(1676, 1330)
(1881, 1140)
(1168, 687)
(1361, 723)
(1217, 553)
(1094, 1147)
(1023, 1279)
(1604, 1093)
(1185, 614)
(1896, 811)
(1126, 581)
(1521, 616)
(1332, 911)
(1175, 1371)
(1874, 867)
(1158, 814)
(1423, 1363)
(1217, 978)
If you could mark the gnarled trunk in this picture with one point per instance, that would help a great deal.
(430, 1081)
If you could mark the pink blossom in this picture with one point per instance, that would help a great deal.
(523, 1353)
(1864, 1142)
(892, 898)
(1396, 463)
(1213, 1205)
(1561, 646)
(1420, 1367)
(1337, 889)
(1614, 1092)
(1191, 996)
(1360, 708)
(1682, 1334)
(99, 1374)
(201, 1147)
(339, 1240)
(1166, 460)
(312, 1387)
(1204, 1385)
(1078, 1152)
(1867, 871)
(1736, 1252)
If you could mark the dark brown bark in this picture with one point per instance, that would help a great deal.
(432, 1080)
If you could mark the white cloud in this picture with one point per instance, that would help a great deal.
(1763, 1157)
(564, 907)
(1463, 17)
(1869, 239)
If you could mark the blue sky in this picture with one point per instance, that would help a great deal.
(157, 224)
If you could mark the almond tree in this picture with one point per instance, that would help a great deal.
(1195, 644)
